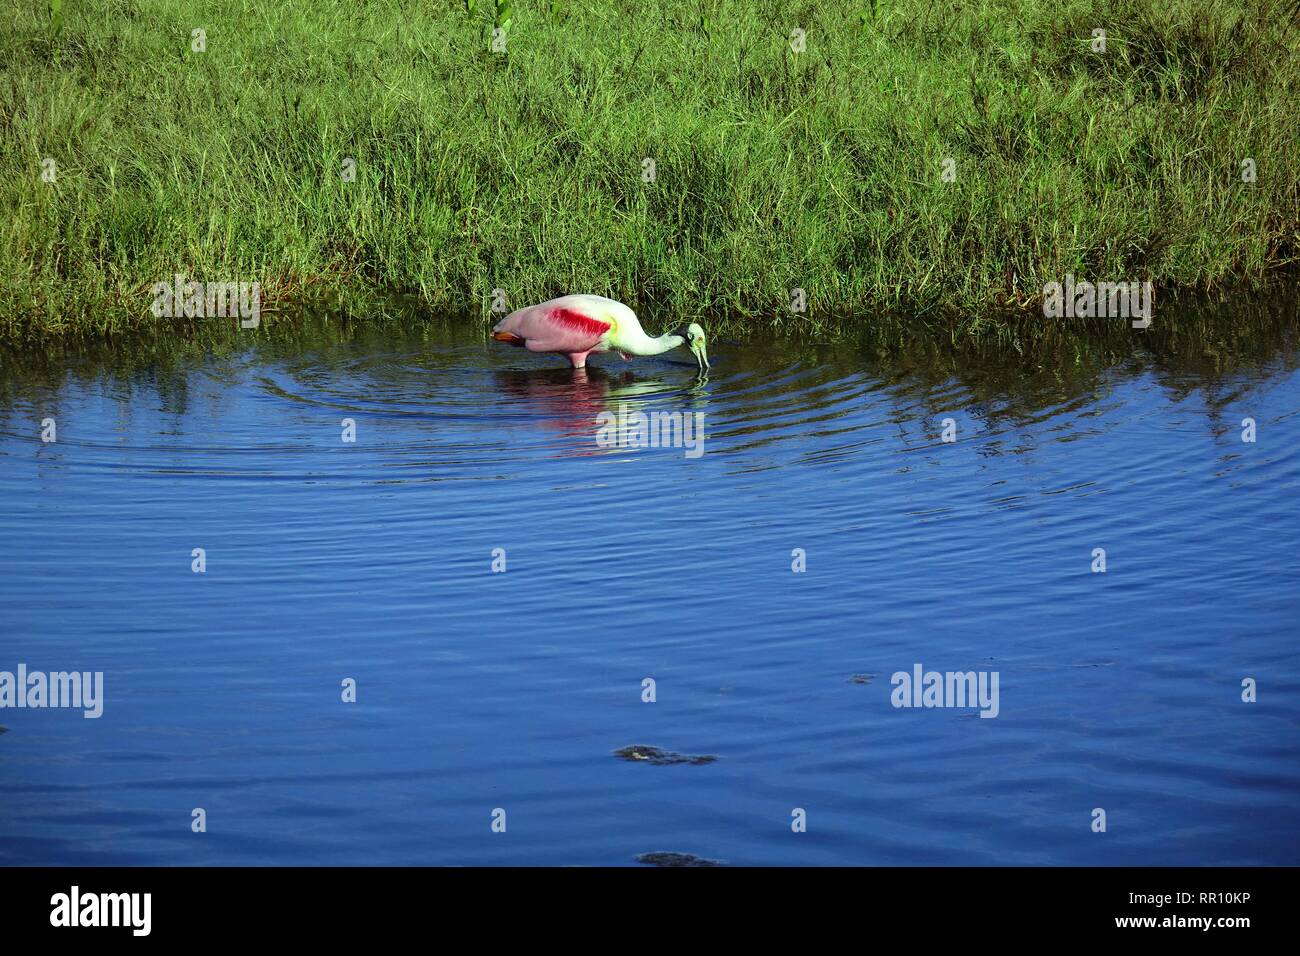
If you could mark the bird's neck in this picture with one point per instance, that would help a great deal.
(638, 343)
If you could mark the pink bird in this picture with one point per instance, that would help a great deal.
(577, 325)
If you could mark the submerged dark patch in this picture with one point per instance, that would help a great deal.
(656, 755)
(664, 858)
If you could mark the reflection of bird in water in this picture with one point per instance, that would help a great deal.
(577, 325)
(570, 400)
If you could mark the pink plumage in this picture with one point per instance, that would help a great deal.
(571, 326)
(577, 325)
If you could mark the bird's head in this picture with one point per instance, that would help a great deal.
(693, 337)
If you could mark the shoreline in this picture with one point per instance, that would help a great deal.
(1231, 328)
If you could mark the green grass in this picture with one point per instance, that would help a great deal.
(523, 171)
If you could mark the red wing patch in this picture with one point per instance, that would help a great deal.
(571, 319)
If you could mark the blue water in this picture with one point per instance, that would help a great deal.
(479, 691)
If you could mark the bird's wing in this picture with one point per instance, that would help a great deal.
(555, 328)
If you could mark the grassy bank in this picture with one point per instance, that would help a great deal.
(524, 171)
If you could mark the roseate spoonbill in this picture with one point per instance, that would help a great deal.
(577, 325)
